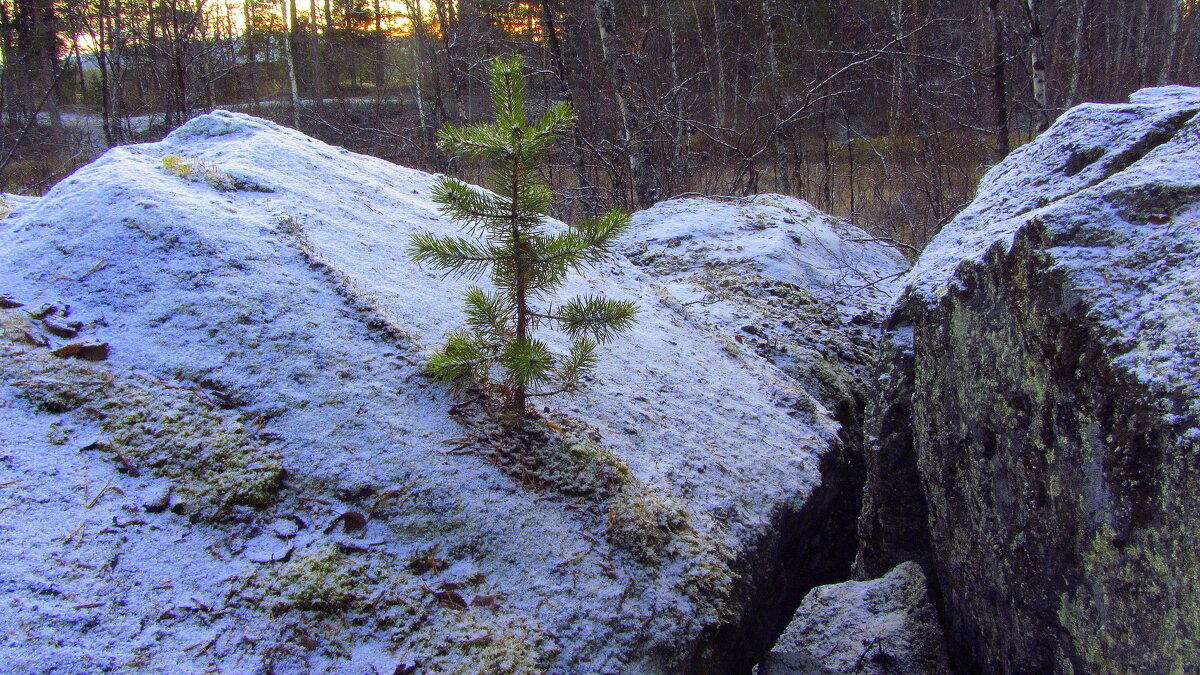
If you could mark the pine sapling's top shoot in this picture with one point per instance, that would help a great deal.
(508, 241)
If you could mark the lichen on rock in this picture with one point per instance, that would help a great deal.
(1053, 367)
(173, 429)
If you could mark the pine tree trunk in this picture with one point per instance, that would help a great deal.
(521, 288)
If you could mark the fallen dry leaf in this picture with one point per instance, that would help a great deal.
(351, 520)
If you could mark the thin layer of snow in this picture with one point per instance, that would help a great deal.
(197, 284)
(779, 238)
(1123, 228)
(1084, 148)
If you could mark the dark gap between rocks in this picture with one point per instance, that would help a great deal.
(815, 546)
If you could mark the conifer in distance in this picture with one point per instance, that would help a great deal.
(525, 258)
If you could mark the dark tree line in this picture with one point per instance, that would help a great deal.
(886, 111)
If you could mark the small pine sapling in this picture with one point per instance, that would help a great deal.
(524, 257)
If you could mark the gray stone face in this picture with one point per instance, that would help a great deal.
(1054, 407)
(892, 524)
(885, 625)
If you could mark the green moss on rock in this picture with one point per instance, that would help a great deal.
(169, 428)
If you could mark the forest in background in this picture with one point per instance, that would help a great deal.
(886, 112)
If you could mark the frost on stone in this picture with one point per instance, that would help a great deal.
(881, 626)
(1050, 388)
(777, 278)
(270, 347)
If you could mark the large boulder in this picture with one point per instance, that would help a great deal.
(884, 626)
(251, 471)
(1046, 358)
(773, 277)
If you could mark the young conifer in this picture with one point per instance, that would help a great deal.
(522, 254)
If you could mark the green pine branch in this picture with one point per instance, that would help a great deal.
(522, 261)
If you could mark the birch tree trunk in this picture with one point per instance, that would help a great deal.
(1037, 63)
(639, 168)
(294, 104)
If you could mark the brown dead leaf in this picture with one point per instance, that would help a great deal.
(450, 600)
(90, 351)
(93, 351)
(59, 328)
(485, 601)
(350, 520)
(426, 562)
(6, 302)
(70, 349)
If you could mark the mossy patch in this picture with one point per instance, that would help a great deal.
(644, 523)
(659, 531)
(173, 429)
(199, 170)
(211, 453)
(322, 581)
(442, 627)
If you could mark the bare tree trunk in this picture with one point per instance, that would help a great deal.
(1174, 14)
(418, 28)
(452, 58)
(564, 87)
(679, 168)
(314, 48)
(378, 49)
(1037, 63)
(999, 83)
(251, 56)
(102, 47)
(1077, 63)
(774, 89)
(639, 167)
(291, 67)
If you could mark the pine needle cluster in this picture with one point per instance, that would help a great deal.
(511, 242)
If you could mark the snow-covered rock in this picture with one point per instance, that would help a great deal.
(883, 626)
(773, 277)
(265, 330)
(777, 277)
(1046, 354)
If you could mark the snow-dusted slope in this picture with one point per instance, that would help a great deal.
(776, 277)
(273, 281)
(779, 238)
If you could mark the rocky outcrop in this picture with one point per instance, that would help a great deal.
(330, 509)
(1048, 366)
(774, 278)
(884, 626)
